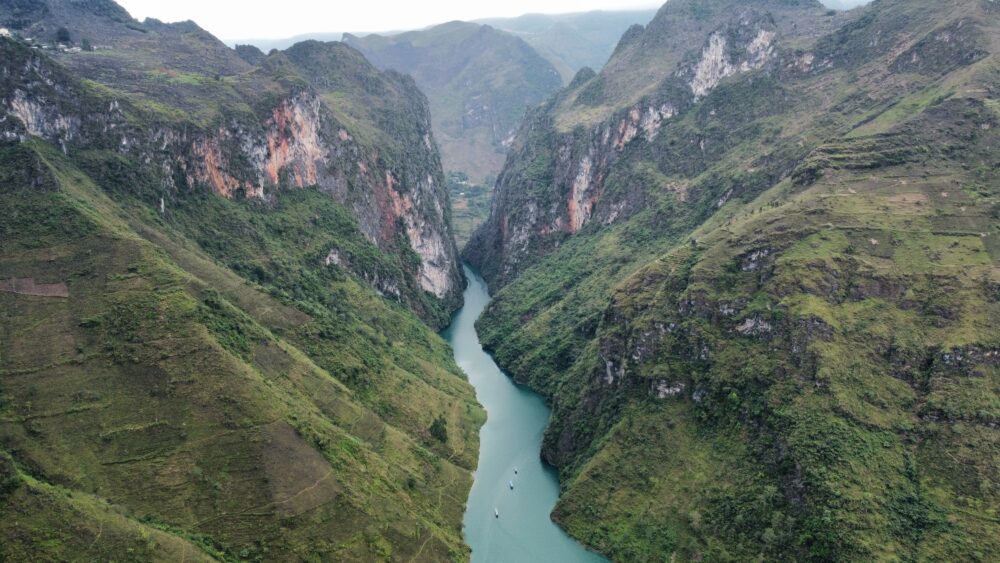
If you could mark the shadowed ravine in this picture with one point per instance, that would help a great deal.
(511, 438)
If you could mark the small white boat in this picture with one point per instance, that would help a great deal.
(515, 471)
(511, 483)
(496, 513)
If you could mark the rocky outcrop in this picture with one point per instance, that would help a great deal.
(742, 47)
(294, 142)
(553, 184)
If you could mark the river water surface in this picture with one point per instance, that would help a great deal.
(511, 439)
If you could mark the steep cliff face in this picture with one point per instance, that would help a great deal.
(743, 261)
(296, 147)
(565, 155)
(293, 140)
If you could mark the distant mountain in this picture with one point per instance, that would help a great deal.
(754, 262)
(221, 276)
(266, 45)
(251, 54)
(573, 41)
(569, 41)
(479, 82)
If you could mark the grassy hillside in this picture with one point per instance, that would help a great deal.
(470, 204)
(766, 313)
(254, 420)
(217, 286)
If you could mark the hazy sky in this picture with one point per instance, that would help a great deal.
(270, 19)
(237, 19)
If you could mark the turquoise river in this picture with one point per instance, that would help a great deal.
(510, 440)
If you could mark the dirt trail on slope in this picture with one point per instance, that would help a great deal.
(28, 286)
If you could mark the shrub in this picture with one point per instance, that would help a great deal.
(9, 480)
(439, 429)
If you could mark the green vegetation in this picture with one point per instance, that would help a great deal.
(776, 336)
(315, 115)
(190, 370)
(439, 429)
(165, 363)
(470, 204)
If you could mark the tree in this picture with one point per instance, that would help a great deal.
(439, 429)
(63, 36)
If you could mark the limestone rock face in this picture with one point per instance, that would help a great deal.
(571, 163)
(292, 140)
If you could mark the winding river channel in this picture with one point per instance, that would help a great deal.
(509, 446)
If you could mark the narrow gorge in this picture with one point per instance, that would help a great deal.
(449, 294)
(507, 517)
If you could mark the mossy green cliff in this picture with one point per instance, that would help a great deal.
(753, 264)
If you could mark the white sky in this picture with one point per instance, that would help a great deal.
(270, 19)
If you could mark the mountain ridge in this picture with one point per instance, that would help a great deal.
(296, 142)
(753, 259)
(226, 276)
